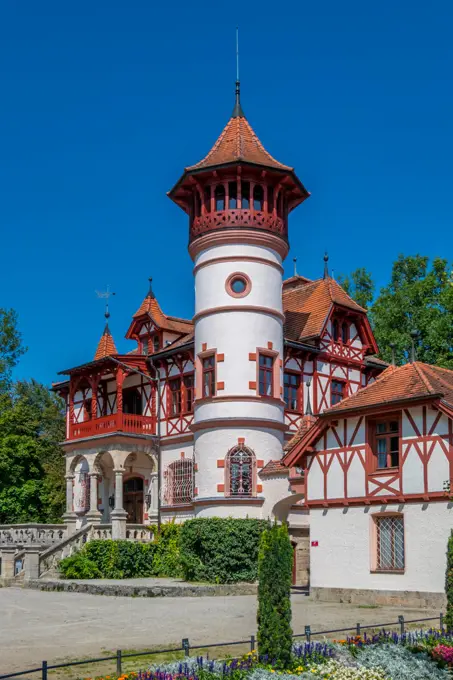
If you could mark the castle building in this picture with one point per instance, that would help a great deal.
(269, 402)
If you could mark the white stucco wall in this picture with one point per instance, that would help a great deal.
(342, 558)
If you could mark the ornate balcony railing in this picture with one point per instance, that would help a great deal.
(117, 422)
(238, 218)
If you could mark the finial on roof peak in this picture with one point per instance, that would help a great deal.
(326, 267)
(150, 291)
(295, 265)
(237, 111)
(107, 317)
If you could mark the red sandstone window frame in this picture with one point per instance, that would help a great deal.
(266, 378)
(208, 375)
(230, 281)
(229, 481)
(377, 561)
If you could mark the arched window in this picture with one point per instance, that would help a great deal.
(232, 195)
(207, 199)
(258, 197)
(344, 332)
(219, 195)
(240, 469)
(197, 206)
(245, 195)
(270, 199)
(335, 330)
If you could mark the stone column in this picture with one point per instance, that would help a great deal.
(93, 515)
(118, 515)
(8, 559)
(152, 510)
(31, 563)
(69, 517)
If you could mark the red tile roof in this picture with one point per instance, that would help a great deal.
(306, 424)
(238, 142)
(106, 346)
(170, 323)
(411, 381)
(273, 467)
(307, 306)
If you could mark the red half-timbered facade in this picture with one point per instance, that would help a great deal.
(379, 466)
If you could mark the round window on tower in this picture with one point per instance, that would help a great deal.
(238, 285)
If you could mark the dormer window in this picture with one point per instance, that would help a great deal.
(156, 343)
(344, 332)
(144, 344)
(258, 197)
(335, 330)
(219, 195)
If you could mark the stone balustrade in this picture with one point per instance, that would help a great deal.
(20, 535)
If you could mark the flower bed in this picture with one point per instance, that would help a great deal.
(420, 655)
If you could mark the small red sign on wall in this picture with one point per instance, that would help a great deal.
(314, 544)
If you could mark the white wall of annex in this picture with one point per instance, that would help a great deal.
(343, 556)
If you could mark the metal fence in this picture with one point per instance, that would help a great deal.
(308, 634)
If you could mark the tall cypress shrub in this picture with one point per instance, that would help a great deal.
(275, 562)
(449, 584)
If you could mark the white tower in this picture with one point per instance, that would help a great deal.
(238, 199)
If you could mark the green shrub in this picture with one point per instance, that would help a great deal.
(110, 559)
(449, 584)
(275, 563)
(221, 550)
(167, 559)
(79, 566)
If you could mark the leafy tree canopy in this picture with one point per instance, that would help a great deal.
(419, 298)
(31, 426)
(359, 285)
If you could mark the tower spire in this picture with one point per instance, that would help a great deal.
(237, 111)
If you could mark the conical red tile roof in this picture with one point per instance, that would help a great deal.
(106, 346)
(238, 142)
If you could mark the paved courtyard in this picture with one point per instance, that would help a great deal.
(38, 625)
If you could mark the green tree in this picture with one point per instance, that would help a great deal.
(449, 584)
(359, 285)
(11, 348)
(418, 297)
(31, 461)
(275, 561)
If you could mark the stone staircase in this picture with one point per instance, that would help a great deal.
(33, 551)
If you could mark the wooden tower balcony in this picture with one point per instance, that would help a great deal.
(127, 423)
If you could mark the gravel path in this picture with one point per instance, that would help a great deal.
(38, 625)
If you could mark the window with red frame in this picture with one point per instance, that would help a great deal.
(266, 375)
(291, 391)
(208, 370)
(337, 391)
(189, 386)
(386, 442)
(241, 469)
(175, 396)
(390, 543)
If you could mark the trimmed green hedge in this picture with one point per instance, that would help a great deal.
(205, 549)
(221, 550)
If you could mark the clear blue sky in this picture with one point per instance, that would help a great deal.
(102, 104)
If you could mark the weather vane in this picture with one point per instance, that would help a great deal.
(105, 295)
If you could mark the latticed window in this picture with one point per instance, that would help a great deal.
(240, 468)
(178, 480)
(390, 543)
